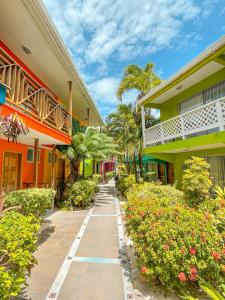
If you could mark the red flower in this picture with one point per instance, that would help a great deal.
(144, 270)
(194, 271)
(223, 251)
(182, 277)
(131, 208)
(130, 216)
(192, 251)
(192, 277)
(141, 214)
(166, 247)
(216, 255)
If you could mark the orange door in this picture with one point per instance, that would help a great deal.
(11, 171)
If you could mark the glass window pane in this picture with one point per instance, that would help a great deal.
(30, 155)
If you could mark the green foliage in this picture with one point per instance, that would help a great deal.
(124, 183)
(98, 178)
(81, 192)
(18, 240)
(196, 180)
(109, 175)
(31, 201)
(150, 176)
(175, 244)
(220, 192)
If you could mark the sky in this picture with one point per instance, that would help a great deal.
(104, 36)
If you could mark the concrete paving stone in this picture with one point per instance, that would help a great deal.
(98, 282)
(100, 238)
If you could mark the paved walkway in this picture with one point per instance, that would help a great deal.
(82, 255)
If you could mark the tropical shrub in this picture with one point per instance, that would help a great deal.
(81, 192)
(18, 240)
(125, 182)
(98, 178)
(31, 201)
(175, 244)
(196, 180)
(109, 175)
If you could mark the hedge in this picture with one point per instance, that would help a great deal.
(31, 201)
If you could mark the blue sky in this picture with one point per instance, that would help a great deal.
(104, 36)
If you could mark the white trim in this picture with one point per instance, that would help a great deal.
(210, 50)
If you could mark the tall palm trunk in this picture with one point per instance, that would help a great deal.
(140, 163)
(74, 171)
(83, 167)
(135, 167)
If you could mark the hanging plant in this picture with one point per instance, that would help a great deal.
(12, 126)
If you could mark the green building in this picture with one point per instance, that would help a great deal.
(192, 115)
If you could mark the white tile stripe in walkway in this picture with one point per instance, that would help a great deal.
(60, 278)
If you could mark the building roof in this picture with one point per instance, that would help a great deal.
(199, 68)
(27, 23)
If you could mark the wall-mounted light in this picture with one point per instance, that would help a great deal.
(179, 87)
(26, 50)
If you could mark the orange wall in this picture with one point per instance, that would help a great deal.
(27, 167)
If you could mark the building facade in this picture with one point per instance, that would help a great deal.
(192, 115)
(40, 83)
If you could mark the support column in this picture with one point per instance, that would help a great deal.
(53, 167)
(143, 124)
(36, 149)
(70, 104)
(88, 115)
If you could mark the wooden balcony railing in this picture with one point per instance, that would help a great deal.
(202, 120)
(28, 96)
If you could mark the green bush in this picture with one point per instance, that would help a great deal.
(125, 182)
(109, 175)
(98, 178)
(32, 201)
(18, 240)
(81, 192)
(175, 244)
(196, 180)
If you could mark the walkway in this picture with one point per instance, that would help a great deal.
(82, 255)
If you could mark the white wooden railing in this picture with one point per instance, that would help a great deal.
(31, 98)
(207, 117)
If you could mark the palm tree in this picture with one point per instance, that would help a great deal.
(136, 78)
(90, 144)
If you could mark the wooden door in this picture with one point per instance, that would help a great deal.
(170, 173)
(11, 171)
(61, 170)
(161, 173)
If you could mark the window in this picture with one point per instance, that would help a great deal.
(217, 169)
(30, 155)
(211, 94)
(214, 93)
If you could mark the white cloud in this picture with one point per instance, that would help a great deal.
(96, 30)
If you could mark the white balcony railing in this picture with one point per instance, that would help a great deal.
(207, 117)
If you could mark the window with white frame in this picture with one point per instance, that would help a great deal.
(211, 94)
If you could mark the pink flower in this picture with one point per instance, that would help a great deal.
(192, 251)
(194, 270)
(216, 255)
(144, 270)
(193, 277)
(182, 277)
(130, 216)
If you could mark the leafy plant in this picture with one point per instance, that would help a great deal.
(175, 244)
(109, 175)
(13, 126)
(31, 201)
(98, 178)
(196, 180)
(81, 192)
(220, 192)
(18, 241)
(125, 182)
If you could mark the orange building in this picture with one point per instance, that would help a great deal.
(39, 82)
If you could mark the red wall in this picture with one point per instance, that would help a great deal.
(27, 167)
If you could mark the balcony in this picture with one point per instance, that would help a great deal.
(29, 97)
(202, 120)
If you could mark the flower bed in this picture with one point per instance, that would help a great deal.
(175, 244)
